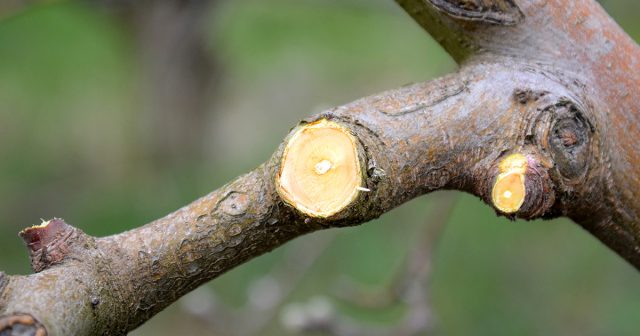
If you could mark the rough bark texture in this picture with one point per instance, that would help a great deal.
(556, 81)
(576, 45)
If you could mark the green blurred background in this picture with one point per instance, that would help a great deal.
(112, 115)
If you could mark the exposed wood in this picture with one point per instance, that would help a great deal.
(577, 45)
(320, 172)
(509, 190)
(558, 85)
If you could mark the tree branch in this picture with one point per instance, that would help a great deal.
(581, 47)
(545, 138)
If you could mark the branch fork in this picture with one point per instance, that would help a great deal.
(531, 139)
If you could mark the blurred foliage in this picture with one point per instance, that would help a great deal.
(71, 146)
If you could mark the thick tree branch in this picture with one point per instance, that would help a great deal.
(580, 43)
(537, 123)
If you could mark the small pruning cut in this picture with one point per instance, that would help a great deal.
(320, 172)
(509, 189)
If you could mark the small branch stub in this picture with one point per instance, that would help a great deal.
(48, 243)
(320, 172)
(509, 190)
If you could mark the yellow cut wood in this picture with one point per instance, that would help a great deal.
(509, 189)
(320, 172)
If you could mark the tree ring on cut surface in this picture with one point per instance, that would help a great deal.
(320, 172)
(509, 189)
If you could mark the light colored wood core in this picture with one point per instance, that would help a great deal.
(509, 189)
(320, 173)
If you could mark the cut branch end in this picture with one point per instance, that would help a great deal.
(320, 172)
(509, 190)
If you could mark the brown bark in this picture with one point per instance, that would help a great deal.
(577, 45)
(555, 81)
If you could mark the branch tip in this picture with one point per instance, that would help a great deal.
(48, 242)
(42, 234)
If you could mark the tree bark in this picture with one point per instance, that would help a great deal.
(554, 81)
